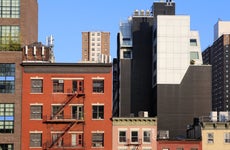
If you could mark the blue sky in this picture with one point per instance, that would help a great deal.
(67, 19)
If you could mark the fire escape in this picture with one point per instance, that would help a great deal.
(135, 145)
(59, 118)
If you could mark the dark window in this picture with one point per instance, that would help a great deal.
(36, 112)
(6, 147)
(58, 86)
(7, 78)
(134, 136)
(127, 54)
(146, 135)
(122, 136)
(6, 118)
(36, 86)
(57, 112)
(193, 42)
(98, 112)
(77, 112)
(98, 86)
(35, 139)
(97, 139)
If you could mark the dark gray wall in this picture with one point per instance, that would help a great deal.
(141, 72)
(177, 105)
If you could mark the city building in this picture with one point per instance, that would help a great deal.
(134, 133)
(160, 69)
(66, 106)
(134, 62)
(215, 134)
(96, 47)
(18, 22)
(18, 27)
(181, 83)
(10, 99)
(218, 56)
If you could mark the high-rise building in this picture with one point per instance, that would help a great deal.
(160, 69)
(18, 22)
(18, 27)
(181, 83)
(133, 92)
(96, 47)
(218, 56)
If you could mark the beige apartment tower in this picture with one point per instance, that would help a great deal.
(96, 47)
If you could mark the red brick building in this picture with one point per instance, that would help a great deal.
(67, 106)
(179, 145)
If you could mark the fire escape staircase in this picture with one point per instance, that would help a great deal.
(61, 135)
(68, 100)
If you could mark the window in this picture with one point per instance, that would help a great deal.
(56, 112)
(146, 136)
(36, 86)
(76, 139)
(127, 54)
(58, 86)
(134, 136)
(122, 136)
(210, 138)
(193, 42)
(35, 139)
(9, 35)
(98, 112)
(98, 86)
(9, 8)
(55, 137)
(194, 148)
(35, 112)
(77, 112)
(165, 149)
(227, 137)
(194, 55)
(6, 147)
(97, 139)
(180, 148)
(6, 118)
(7, 78)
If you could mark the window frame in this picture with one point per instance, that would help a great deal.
(58, 86)
(7, 78)
(36, 114)
(210, 140)
(98, 142)
(35, 139)
(97, 114)
(122, 138)
(98, 86)
(227, 137)
(36, 85)
(7, 111)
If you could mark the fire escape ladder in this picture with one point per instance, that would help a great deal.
(70, 97)
(61, 135)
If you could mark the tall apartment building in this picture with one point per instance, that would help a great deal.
(218, 56)
(67, 106)
(18, 27)
(96, 47)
